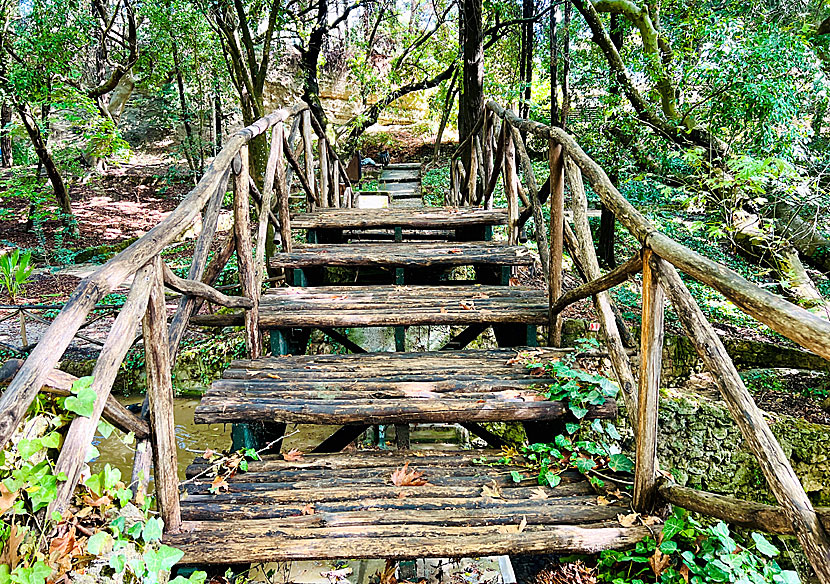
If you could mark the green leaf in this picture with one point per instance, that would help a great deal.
(51, 440)
(612, 432)
(162, 559)
(117, 562)
(99, 543)
(37, 574)
(5, 578)
(153, 529)
(111, 476)
(764, 546)
(28, 448)
(82, 404)
(668, 547)
(517, 476)
(620, 463)
(81, 383)
(789, 577)
(577, 411)
(91, 453)
(134, 530)
(95, 484)
(44, 492)
(552, 479)
(124, 496)
(583, 465)
(105, 428)
(672, 527)
(572, 428)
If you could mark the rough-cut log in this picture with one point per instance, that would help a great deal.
(802, 235)
(202, 290)
(780, 476)
(244, 254)
(142, 463)
(324, 171)
(160, 394)
(535, 204)
(605, 282)
(309, 160)
(498, 161)
(556, 160)
(295, 165)
(274, 169)
(510, 190)
(60, 382)
(648, 391)
(602, 302)
(745, 514)
(794, 322)
(82, 429)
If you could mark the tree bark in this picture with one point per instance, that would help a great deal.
(471, 100)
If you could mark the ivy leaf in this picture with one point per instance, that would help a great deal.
(153, 529)
(611, 430)
(51, 440)
(517, 476)
(83, 403)
(620, 463)
(672, 527)
(668, 547)
(37, 574)
(552, 479)
(124, 496)
(764, 546)
(117, 562)
(99, 543)
(577, 411)
(105, 428)
(583, 465)
(28, 448)
(572, 428)
(162, 559)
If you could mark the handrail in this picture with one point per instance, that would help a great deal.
(660, 256)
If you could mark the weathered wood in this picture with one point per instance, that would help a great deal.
(335, 182)
(199, 289)
(311, 197)
(536, 206)
(142, 464)
(498, 162)
(339, 337)
(780, 476)
(309, 160)
(602, 302)
(556, 162)
(82, 430)
(160, 394)
(745, 514)
(471, 184)
(410, 218)
(336, 307)
(274, 172)
(325, 195)
(215, 267)
(510, 191)
(648, 392)
(605, 282)
(413, 254)
(244, 254)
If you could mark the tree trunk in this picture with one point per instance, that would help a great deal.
(801, 234)
(471, 100)
(190, 144)
(6, 159)
(45, 158)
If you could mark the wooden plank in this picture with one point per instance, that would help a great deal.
(309, 159)
(160, 394)
(244, 254)
(510, 180)
(413, 254)
(325, 195)
(780, 476)
(556, 163)
(648, 394)
(414, 218)
(272, 168)
(196, 288)
(248, 542)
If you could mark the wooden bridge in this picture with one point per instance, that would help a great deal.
(358, 511)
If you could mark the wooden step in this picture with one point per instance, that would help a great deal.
(282, 511)
(369, 388)
(413, 218)
(368, 306)
(400, 255)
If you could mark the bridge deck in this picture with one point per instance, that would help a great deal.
(411, 254)
(413, 218)
(347, 506)
(369, 388)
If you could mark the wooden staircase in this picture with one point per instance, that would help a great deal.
(344, 505)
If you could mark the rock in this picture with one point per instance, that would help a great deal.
(9, 370)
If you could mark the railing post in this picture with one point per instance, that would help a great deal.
(335, 184)
(160, 394)
(244, 252)
(510, 189)
(556, 162)
(324, 172)
(648, 389)
(308, 153)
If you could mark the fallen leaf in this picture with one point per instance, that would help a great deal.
(522, 524)
(603, 501)
(650, 520)
(454, 250)
(218, 484)
(293, 455)
(9, 556)
(481, 296)
(308, 509)
(538, 493)
(514, 282)
(467, 305)
(684, 572)
(336, 576)
(659, 562)
(628, 520)
(403, 477)
(491, 490)
(7, 498)
(208, 455)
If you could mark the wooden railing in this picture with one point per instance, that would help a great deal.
(659, 260)
(145, 303)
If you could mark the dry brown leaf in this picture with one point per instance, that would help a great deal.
(684, 573)
(659, 562)
(522, 524)
(603, 501)
(514, 282)
(218, 484)
(491, 490)
(403, 477)
(538, 493)
(308, 509)
(7, 498)
(467, 305)
(208, 455)
(293, 455)
(481, 296)
(650, 520)
(9, 556)
(628, 520)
